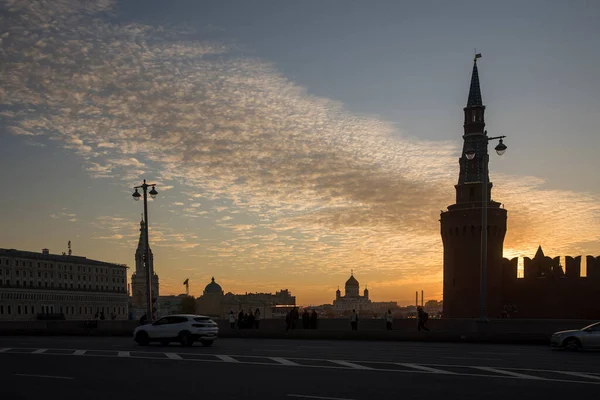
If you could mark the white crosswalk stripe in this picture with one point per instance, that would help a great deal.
(350, 364)
(427, 369)
(510, 373)
(226, 358)
(284, 361)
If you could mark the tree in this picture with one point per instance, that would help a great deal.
(188, 305)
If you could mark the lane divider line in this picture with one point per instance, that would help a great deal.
(79, 352)
(123, 354)
(580, 374)
(45, 376)
(304, 396)
(5, 349)
(39, 351)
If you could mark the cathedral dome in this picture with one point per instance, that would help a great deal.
(213, 287)
(352, 281)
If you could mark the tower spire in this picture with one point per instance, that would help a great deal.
(475, 90)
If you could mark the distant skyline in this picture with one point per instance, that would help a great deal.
(292, 142)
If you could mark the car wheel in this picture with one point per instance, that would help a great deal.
(142, 338)
(185, 339)
(164, 342)
(207, 343)
(572, 344)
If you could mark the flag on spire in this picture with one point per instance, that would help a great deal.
(186, 281)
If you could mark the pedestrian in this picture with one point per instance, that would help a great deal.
(354, 320)
(422, 316)
(305, 319)
(231, 320)
(257, 318)
(241, 319)
(250, 320)
(288, 322)
(143, 320)
(313, 319)
(389, 320)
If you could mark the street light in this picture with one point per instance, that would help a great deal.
(136, 196)
(470, 154)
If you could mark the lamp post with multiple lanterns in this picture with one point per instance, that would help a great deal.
(136, 196)
(470, 154)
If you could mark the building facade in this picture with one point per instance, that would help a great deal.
(215, 302)
(138, 278)
(547, 289)
(43, 285)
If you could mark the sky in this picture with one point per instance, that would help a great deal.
(292, 142)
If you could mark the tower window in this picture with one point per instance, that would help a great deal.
(472, 194)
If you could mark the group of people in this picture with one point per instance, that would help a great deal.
(309, 320)
(244, 320)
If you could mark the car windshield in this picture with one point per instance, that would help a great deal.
(595, 326)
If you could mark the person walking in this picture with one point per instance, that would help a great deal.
(256, 318)
(389, 320)
(240, 320)
(231, 319)
(354, 320)
(305, 319)
(422, 316)
(313, 319)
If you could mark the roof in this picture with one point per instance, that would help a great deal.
(213, 287)
(475, 90)
(352, 281)
(32, 255)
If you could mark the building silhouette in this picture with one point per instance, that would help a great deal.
(545, 291)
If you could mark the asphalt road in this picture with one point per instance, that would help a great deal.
(99, 368)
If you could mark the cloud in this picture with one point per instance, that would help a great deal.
(324, 189)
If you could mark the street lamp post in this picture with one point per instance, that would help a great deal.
(470, 154)
(136, 196)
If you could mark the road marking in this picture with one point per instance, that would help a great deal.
(316, 347)
(79, 352)
(173, 356)
(580, 374)
(427, 369)
(39, 351)
(509, 373)
(284, 361)
(226, 358)
(586, 378)
(473, 358)
(45, 376)
(5, 349)
(303, 396)
(349, 364)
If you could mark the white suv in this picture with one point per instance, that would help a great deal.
(183, 328)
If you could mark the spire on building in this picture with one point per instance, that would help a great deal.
(475, 90)
(539, 253)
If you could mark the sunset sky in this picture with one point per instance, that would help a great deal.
(293, 141)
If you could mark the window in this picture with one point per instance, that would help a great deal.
(17, 271)
(16, 263)
(1, 310)
(19, 310)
